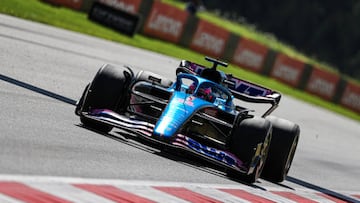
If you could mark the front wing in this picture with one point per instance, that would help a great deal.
(178, 141)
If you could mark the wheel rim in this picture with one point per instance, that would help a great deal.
(265, 151)
(291, 156)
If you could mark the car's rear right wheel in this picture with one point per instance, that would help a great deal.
(243, 143)
(282, 149)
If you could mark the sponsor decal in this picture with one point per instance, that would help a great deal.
(219, 155)
(117, 19)
(196, 68)
(131, 6)
(165, 22)
(322, 83)
(179, 100)
(287, 70)
(209, 39)
(250, 89)
(190, 101)
(250, 55)
(351, 97)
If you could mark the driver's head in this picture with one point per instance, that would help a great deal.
(192, 88)
(205, 92)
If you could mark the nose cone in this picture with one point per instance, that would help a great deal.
(180, 108)
(168, 125)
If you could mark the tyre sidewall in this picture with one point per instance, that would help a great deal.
(244, 140)
(106, 91)
(283, 145)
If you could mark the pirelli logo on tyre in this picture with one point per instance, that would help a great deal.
(351, 97)
(323, 83)
(250, 55)
(130, 6)
(287, 70)
(209, 39)
(165, 22)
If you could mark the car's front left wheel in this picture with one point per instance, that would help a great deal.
(106, 91)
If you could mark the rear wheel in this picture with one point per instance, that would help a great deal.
(282, 149)
(106, 91)
(244, 141)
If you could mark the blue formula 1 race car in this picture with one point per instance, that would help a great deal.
(196, 113)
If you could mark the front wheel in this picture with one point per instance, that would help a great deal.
(106, 91)
(245, 139)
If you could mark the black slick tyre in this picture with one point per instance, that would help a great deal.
(244, 141)
(106, 91)
(283, 145)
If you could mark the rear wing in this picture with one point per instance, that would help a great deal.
(241, 89)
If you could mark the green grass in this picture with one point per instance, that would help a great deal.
(77, 21)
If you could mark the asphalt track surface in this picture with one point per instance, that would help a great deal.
(43, 71)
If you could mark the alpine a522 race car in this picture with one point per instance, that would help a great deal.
(197, 113)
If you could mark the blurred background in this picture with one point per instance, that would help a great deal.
(325, 30)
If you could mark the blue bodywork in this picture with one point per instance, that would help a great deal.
(181, 107)
(183, 104)
(196, 113)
